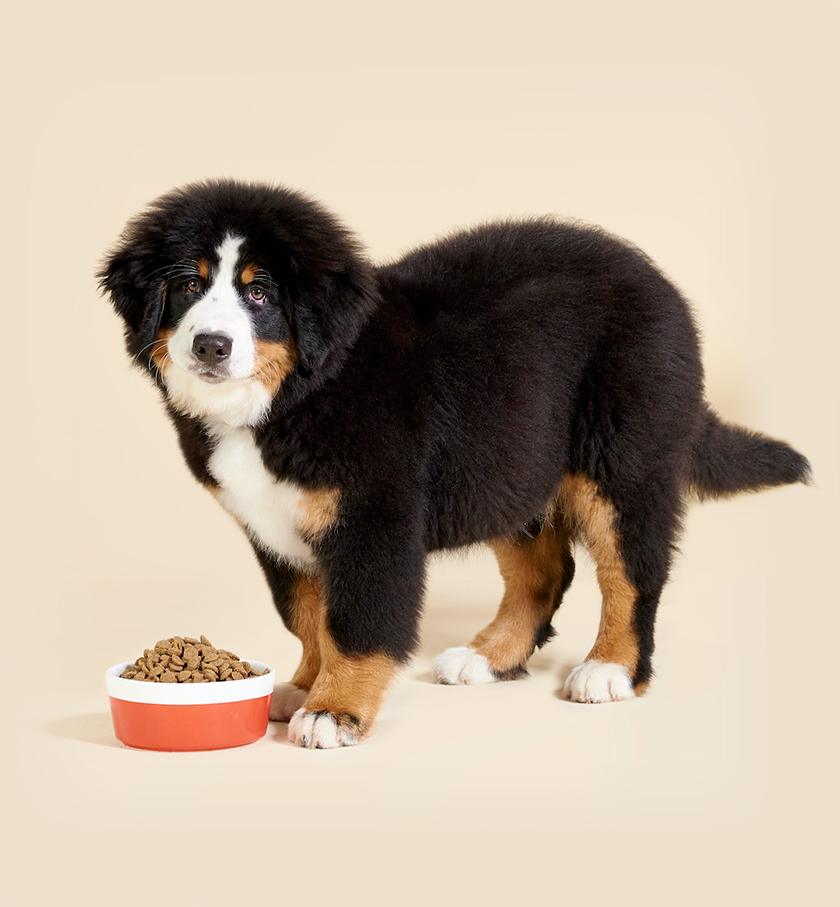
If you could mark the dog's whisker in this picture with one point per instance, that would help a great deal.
(182, 262)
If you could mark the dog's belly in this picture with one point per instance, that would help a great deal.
(268, 508)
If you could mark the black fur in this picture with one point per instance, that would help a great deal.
(728, 459)
(448, 393)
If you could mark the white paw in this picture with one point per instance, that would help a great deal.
(598, 681)
(462, 665)
(319, 731)
(286, 699)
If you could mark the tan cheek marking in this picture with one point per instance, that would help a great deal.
(594, 518)
(275, 360)
(160, 354)
(318, 511)
(248, 273)
(203, 268)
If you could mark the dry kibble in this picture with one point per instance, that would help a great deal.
(185, 659)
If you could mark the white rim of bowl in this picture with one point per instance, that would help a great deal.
(187, 693)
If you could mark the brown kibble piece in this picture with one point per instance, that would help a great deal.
(168, 677)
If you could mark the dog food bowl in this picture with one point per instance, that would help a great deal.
(189, 716)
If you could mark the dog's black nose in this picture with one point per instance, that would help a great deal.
(211, 349)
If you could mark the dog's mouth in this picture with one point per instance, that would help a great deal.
(211, 375)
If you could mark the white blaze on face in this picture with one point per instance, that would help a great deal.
(240, 399)
(219, 311)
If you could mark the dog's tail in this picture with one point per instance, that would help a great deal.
(727, 459)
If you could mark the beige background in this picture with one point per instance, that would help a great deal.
(708, 137)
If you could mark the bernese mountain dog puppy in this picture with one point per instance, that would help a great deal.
(525, 384)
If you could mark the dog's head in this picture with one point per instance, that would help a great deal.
(235, 294)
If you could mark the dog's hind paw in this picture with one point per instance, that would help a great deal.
(598, 681)
(321, 730)
(286, 699)
(462, 665)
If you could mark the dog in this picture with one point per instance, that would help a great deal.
(526, 384)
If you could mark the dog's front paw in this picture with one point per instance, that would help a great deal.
(598, 681)
(462, 665)
(323, 730)
(286, 699)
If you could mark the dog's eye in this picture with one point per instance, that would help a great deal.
(257, 295)
(193, 285)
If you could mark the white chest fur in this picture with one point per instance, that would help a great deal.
(269, 508)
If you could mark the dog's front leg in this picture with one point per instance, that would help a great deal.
(372, 571)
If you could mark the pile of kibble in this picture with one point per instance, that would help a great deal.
(184, 659)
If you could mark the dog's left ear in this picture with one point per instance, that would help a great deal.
(329, 313)
(138, 301)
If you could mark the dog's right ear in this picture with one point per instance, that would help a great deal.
(136, 290)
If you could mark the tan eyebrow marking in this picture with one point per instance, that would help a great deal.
(248, 273)
(203, 268)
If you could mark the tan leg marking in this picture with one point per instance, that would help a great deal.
(593, 517)
(308, 610)
(350, 687)
(318, 511)
(533, 572)
(275, 360)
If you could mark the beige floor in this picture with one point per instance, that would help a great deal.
(716, 778)
(708, 136)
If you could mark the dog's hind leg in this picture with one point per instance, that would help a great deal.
(537, 570)
(629, 536)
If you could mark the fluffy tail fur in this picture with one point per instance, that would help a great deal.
(728, 459)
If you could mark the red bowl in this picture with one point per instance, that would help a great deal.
(189, 716)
